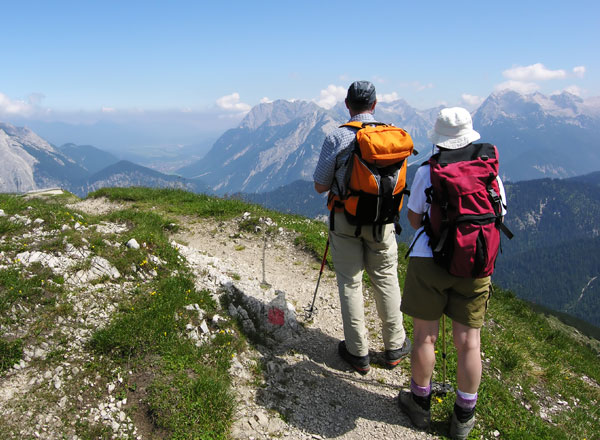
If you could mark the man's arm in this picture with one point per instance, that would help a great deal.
(415, 220)
(320, 188)
(325, 169)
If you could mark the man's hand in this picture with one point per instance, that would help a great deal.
(321, 188)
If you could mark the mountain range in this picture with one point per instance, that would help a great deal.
(279, 142)
(30, 162)
(269, 159)
(540, 136)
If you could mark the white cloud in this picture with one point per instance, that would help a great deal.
(18, 107)
(579, 71)
(420, 87)
(518, 86)
(534, 72)
(330, 96)
(232, 103)
(266, 100)
(471, 100)
(108, 109)
(388, 97)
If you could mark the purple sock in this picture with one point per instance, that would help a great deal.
(419, 390)
(466, 400)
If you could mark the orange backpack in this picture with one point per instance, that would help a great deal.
(375, 180)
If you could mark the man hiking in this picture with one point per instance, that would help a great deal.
(447, 273)
(357, 248)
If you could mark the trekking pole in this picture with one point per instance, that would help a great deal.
(442, 388)
(443, 351)
(309, 312)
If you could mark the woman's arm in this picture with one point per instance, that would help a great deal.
(415, 220)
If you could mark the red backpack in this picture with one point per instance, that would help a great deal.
(465, 218)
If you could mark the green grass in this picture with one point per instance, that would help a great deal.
(181, 406)
(29, 286)
(51, 210)
(10, 353)
(148, 324)
(175, 201)
(189, 395)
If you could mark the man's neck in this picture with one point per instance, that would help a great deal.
(353, 114)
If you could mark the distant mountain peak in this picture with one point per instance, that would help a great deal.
(26, 137)
(29, 162)
(279, 112)
(561, 105)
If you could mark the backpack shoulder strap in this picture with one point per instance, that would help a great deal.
(353, 124)
(359, 124)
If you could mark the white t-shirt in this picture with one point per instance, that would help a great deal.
(417, 202)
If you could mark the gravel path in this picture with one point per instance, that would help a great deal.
(306, 390)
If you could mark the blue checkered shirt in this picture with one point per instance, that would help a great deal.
(332, 165)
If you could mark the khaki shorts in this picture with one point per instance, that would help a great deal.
(430, 291)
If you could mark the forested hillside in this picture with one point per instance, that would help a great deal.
(554, 259)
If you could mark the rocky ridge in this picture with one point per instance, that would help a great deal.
(304, 391)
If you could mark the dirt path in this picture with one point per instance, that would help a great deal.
(305, 389)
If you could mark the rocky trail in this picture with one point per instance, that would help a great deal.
(307, 390)
(291, 385)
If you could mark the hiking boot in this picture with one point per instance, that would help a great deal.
(418, 416)
(359, 363)
(393, 357)
(460, 430)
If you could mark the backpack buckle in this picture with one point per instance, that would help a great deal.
(494, 195)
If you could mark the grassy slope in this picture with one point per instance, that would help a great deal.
(532, 366)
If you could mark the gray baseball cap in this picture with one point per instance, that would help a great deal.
(361, 93)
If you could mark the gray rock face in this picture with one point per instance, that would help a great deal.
(16, 167)
(29, 162)
(276, 144)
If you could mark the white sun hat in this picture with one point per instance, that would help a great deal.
(453, 129)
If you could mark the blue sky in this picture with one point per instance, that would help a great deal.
(79, 60)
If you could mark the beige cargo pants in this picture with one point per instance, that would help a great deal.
(351, 255)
